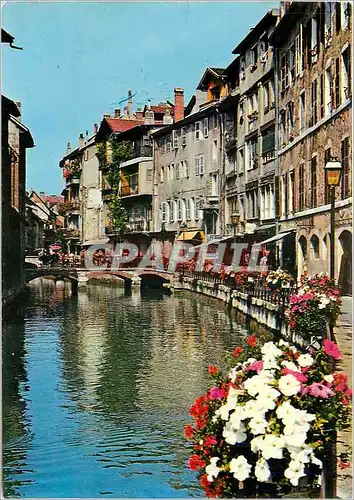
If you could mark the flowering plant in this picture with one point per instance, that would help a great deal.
(263, 427)
(317, 302)
(278, 279)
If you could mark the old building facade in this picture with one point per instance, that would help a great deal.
(313, 47)
(187, 158)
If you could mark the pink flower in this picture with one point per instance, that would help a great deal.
(331, 349)
(319, 391)
(216, 393)
(256, 366)
(298, 375)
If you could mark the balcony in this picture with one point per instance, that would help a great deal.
(70, 233)
(142, 150)
(230, 139)
(69, 207)
(129, 190)
(73, 179)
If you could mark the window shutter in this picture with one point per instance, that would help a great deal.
(197, 166)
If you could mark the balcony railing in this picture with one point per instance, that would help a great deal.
(230, 139)
(69, 206)
(71, 233)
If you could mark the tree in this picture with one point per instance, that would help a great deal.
(118, 215)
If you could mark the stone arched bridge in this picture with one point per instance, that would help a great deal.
(80, 276)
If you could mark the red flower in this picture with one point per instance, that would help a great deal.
(210, 441)
(196, 462)
(340, 381)
(252, 340)
(188, 431)
(331, 349)
(213, 370)
(237, 351)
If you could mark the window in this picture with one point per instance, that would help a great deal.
(328, 24)
(321, 89)
(164, 211)
(215, 120)
(282, 131)
(162, 174)
(338, 16)
(345, 167)
(286, 195)
(266, 97)
(186, 168)
(337, 84)
(327, 197)
(184, 136)
(346, 79)
(171, 171)
(168, 145)
(199, 165)
(178, 170)
(180, 210)
(172, 211)
(302, 111)
(241, 161)
(86, 155)
(315, 247)
(314, 182)
(196, 210)
(291, 118)
(328, 92)
(252, 147)
(174, 139)
(205, 127)
(215, 151)
(198, 132)
(214, 185)
(301, 204)
(189, 209)
(298, 54)
(291, 192)
(314, 40)
(149, 174)
(303, 246)
(313, 119)
(284, 76)
(268, 145)
(163, 148)
(254, 56)
(346, 7)
(292, 64)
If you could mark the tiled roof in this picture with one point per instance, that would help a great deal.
(54, 199)
(120, 124)
(161, 108)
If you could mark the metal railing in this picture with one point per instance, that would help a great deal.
(256, 289)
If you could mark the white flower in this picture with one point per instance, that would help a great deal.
(252, 409)
(328, 378)
(303, 455)
(283, 343)
(269, 362)
(305, 360)
(254, 385)
(286, 412)
(270, 349)
(212, 470)
(295, 435)
(273, 446)
(240, 468)
(258, 425)
(232, 397)
(264, 402)
(223, 412)
(257, 444)
(236, 417)
(291, 366)
(233, 436)
(288, 385)
(267, 375)
(316, 461)
(294, 472)
(262, 471)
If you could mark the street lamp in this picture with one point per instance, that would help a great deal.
(235, 219)
(333, 169)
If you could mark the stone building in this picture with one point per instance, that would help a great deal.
(313, 48)
(16, 139)
(249, 134)
(41, 221)
(187, 157)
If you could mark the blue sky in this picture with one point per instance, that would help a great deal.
(79, 59)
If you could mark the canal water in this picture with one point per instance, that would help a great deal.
(97, 388)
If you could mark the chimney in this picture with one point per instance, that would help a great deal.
(179, 104)
(139, 114)
(117, 113)
(107, 115)
(42, 195)
(18, 104)
(95, 128)
(167, 118)
(125, 113)
(86, 134)
(130, 105)
(68, 148)
(81, 140)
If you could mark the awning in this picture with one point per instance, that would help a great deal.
(102, 241)
(277, 237)
(214, 242)
(191, 235)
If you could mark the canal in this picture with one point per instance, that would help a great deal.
(96, 390)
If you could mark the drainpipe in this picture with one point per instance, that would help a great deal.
(278, 256)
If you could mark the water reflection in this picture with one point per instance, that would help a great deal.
(110, 380)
